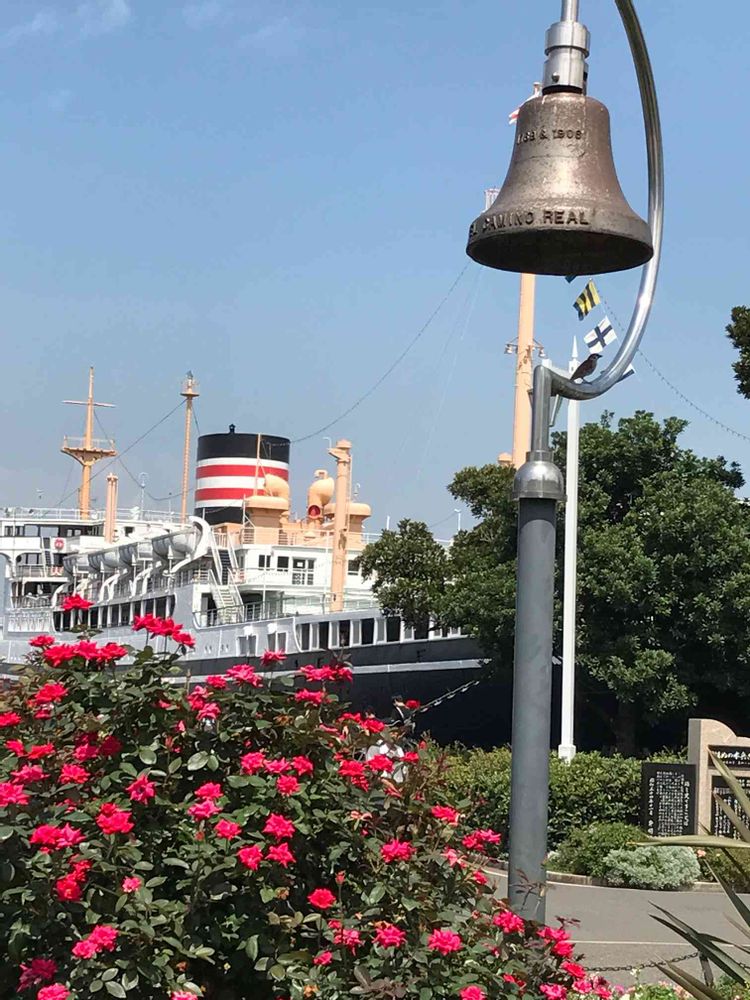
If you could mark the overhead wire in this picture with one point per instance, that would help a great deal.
(376, 385)
(469, 305)
(678, 392)
(130, 447)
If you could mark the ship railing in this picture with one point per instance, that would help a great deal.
(300, 537)
(37, 572)
(32, 601)
(95, 444)
(29, 620)
(244, 613)
(65, 515)
(185, 577)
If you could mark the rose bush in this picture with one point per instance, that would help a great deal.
(243, 837)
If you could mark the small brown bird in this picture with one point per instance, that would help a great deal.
(586, 367)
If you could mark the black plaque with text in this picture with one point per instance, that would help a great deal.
(668, 799)
(732, 756)
(721, 825)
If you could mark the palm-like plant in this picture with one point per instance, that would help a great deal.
(711, 948)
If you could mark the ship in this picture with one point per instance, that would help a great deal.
(236, 568)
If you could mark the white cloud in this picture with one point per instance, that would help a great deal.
(44, 22)
(203, 13)
(100, 17)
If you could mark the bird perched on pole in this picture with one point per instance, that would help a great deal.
(587, 367)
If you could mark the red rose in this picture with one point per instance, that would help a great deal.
(390, 936)
(112, 820)
(287, 784)
(279, 827)
(250, 856)
(281, 854)
(444, 941)
(226, 829)
(321, 899)
(397, 850)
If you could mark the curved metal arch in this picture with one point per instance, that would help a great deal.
(654, 150)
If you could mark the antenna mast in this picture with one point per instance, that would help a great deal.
(87, 450)
(190, 392)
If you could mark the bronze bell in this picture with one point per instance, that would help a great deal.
(561, 209)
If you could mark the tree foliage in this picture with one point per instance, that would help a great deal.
(739, 333)
(663, 571)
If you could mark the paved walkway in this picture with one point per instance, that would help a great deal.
(614, 927)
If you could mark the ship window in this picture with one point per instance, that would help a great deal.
(422, 631)
(392, 629)
(352, 567)
(368, 631)
(304, 637)
(345, 633)
(323, 632)
(264, 562)
(282, 562)
(303, 572)
(246, 645)
(277, 642)
(125, 614)
(94, 617)
(161, 607)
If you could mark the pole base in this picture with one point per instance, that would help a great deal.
(566, 752)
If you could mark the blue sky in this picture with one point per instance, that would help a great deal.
(276, 195)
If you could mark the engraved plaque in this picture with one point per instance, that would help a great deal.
(668, 799)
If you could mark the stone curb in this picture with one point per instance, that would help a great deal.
(567, 878)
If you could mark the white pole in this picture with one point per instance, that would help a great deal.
(567, 750)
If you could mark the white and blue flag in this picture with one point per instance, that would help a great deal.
(598, 338)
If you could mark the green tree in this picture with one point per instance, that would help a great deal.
(664, 572)
(739, 333)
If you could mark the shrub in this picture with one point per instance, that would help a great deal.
(591, 789)
(655, 991)
(237, 840)
(731, 865)
(651, 867)
(583, 851)
(730, 989)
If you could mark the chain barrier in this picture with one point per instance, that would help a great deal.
(647, 965)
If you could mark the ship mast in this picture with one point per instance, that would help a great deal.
(190, 392)
(342, 453)
(86, 450)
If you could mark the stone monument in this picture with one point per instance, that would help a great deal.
(734, 752)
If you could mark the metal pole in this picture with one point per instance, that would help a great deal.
(569, 10)
(538, 486)
(567, 749)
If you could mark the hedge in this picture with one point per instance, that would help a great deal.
(591, 789)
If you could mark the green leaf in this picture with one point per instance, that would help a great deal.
(115, 990)
(147, 756)
(95, 986)
(175, 765)
(251, 947)
(6, 832)
(197, 761)
(376, 894)
(266, 894)
(177, 863)
(277, 972)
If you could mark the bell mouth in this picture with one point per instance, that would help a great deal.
(556, 252)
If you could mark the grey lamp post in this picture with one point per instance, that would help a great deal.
(561, 211)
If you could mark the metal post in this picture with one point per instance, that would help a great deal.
(569, 10)
(538, 486)
(567, 748)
